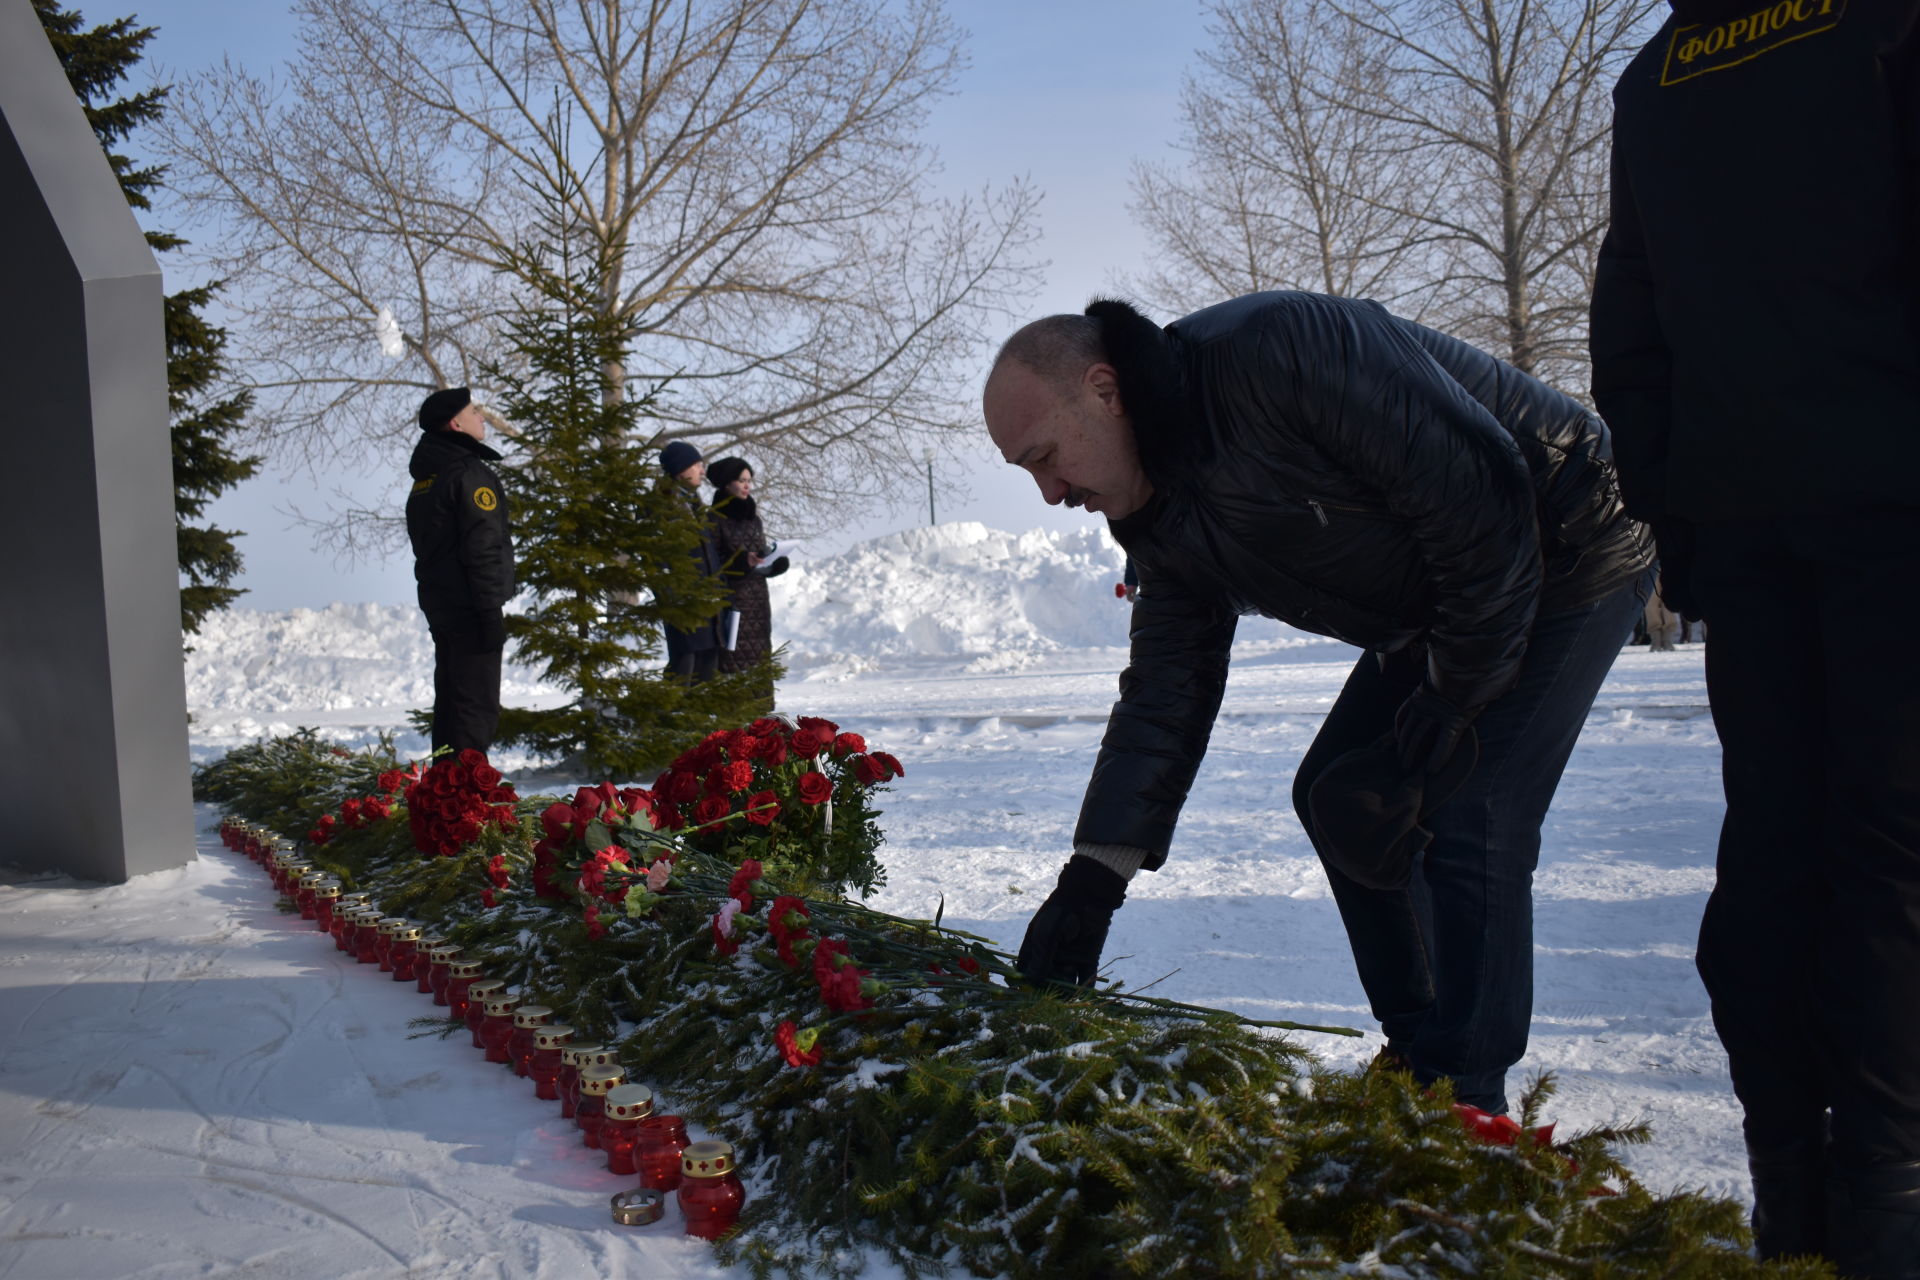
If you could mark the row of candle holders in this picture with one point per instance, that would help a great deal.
(614, 1115)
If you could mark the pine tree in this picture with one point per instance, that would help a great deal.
(603, 541)
(202, 424)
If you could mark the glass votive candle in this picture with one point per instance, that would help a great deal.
(496, 1026)
(383, 941)
(526, 1020)
(277, 869)
(304, 895)
(340, 926)
(477, 996)
(326, 895)
(574, 1059)
(591, 1109)
(657, 1149)
(711, 1195)
(404, 951)
(438, 968)
(627, 1105)
(365, 934)
(543, 1068)
(451, 988)
(423, 967)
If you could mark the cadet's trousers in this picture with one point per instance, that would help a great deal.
(1810, 947)
(466, 683)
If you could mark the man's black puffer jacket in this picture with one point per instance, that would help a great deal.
(457, 522)
(1320, 461)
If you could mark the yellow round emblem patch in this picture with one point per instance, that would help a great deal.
(484, 498)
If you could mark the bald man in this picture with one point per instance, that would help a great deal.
(1319, 461)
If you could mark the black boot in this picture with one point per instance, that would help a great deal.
(1873, 1220)
(1789, 1199)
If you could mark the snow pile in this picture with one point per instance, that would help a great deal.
(952, 591)
(337, 658)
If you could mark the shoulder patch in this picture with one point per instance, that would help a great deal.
(1694, 51)
(421, 486)
(485, 498)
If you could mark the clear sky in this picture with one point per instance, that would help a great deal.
(1067, 93)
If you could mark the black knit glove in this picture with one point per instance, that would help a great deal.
(493, 631)
(1427, 731)
(1066, 934)
(1675, 539)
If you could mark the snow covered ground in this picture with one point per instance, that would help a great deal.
(191, 1084)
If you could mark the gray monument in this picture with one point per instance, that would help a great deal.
(93, 716)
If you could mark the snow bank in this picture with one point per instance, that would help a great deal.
(954, 590)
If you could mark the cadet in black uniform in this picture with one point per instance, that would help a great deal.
(1756, 350)
(463, 561)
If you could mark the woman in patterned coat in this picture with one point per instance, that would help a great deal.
(743, 550)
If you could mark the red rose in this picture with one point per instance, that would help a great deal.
(470, 757)
(825, 728)
(866, 772)
(806, 744)
(787, 1037)
(815, 788)
(686, 788)
(485, 776)
(557, 820)
(762, 808)
(775, 752)
(890, 763)
(848, 743)
(968, 964)
(711, 810)
(764, 725)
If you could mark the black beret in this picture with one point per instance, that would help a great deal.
(437, 410)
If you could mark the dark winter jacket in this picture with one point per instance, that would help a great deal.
(1320, 461)
(1756, 312)
(707, 555)
(457, 521)
(737, 534)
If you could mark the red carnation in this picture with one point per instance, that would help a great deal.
(738, 776)
(594, 928)
(721, 942)
(787, 1037)
(711, 810)
(741, 886)
(815, 788)
(762, 808)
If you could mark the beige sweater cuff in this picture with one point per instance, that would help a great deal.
(1123, 860)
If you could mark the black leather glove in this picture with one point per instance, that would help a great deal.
(493, 631)
(1427, 731)
(1675, 540)
(773, 569)
(1066, 934)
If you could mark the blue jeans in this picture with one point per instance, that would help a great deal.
(1447, 962)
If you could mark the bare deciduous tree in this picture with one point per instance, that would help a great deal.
(1445, 156)
(787, 271)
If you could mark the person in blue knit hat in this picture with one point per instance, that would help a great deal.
(693, 655)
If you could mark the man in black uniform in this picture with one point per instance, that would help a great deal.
(1323, 462)
(1756, 349)
(693, 655)
(463, 562)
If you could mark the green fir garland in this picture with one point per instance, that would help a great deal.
(964, 1123)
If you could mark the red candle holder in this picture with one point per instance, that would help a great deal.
(657, 1149)
(543, 1068)
(450, 989)
(383, 941)
(366, 934)
(404, 951)
(433, 974)
(527, 1019)
(326, 895)
(572, 1058)
(627, 1105)
(477, 996)
(711, 1195)
(277, 870)
(304, 895)
(423, 965)
(590, 1112)
(496, 1027)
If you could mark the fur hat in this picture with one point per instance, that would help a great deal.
(677, 457)
(724, 472)
(437, 410)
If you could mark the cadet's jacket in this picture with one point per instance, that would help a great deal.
(1756, 312)
(457, 520)
(1320, 461)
